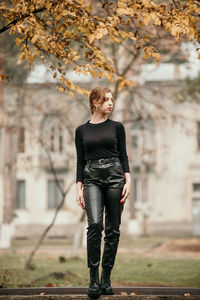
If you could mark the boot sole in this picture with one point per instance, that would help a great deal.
(94, 294)
(106, 292)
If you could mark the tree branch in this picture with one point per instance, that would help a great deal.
(3, 29)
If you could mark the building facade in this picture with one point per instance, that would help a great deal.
(163, 148)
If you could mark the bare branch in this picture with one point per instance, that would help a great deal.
(3, 29)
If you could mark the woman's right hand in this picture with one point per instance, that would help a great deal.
(80, 198)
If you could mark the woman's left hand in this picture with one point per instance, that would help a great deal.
(125, 191)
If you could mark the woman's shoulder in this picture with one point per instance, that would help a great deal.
(117, 123)
(80, 127)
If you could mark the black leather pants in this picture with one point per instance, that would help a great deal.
(102, 188)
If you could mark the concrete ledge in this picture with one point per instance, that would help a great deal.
(50, 293)
(85, 297)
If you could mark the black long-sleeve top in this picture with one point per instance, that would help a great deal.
(100, 140)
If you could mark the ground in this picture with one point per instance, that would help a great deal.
(144, 261)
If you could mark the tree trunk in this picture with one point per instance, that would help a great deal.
(9, 147)
(128, 116)
(78, 236)
(143, 174)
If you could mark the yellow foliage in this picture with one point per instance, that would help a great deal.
(124, 83)
(73, 33)
(147, 54)
(146, 18)
(35, 38)
(156, 55)
(49, 5)
(109, 76)
(61, 89)
(191, 33)
(100, 74)
(93, 73)
(19, 40)
(155, 18)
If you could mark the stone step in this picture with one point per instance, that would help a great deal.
(50, 293)
(85, 297)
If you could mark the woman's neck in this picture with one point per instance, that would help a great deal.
(98, 119)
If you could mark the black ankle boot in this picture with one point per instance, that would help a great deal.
(106, 289)
(94, 289)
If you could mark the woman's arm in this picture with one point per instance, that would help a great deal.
(79, 193)
(79, 168)
(126, 187)
(80, 155)
(124, 161)
(127, 177)
(121, 135)
(79, 185)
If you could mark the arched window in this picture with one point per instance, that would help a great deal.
(198, 135)
(142, 135)
(52, 133)
(21, 140)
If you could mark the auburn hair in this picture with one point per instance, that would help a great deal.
(98, 95)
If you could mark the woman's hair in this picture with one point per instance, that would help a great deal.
(98, 94)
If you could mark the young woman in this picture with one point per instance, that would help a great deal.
(103, 181)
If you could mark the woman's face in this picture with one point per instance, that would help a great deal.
(107, 105)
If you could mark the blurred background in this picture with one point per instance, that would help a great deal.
(38, 155)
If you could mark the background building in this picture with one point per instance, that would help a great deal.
(163, 148)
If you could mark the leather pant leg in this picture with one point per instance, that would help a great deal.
(94, 205)
(102, 188)
(113, 211)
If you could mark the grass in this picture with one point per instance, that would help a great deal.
(47, 270)
(163, 271)
(130, 268)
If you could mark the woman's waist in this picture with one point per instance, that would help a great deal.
(102, 161)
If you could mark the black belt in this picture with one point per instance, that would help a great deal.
(102, 161)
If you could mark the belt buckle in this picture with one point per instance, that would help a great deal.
(101, 160)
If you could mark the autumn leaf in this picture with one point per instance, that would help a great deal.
(61, 89)
(146, 18)
(125, 83)
(49, 284)
(4, 77)
(34, 39)
(77, 35)
(156, 56)
(99, 74)
(122, 293)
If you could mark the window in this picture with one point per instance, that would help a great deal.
(198, 134)
(21, 141)
(137, 190)
(195, 197)
(60, 141)
(134, 140)
(52, 139)
(196, 187)
(135, 134)
(1, 152)
(54, 194)
(20, 199)
(196, 216)
(52, 131)
(142, 133)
